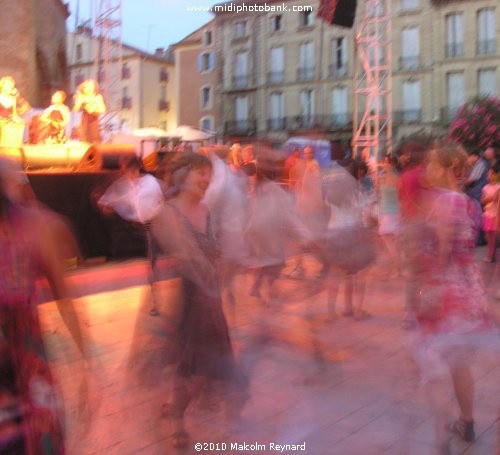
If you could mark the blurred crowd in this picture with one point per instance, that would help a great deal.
(247, 209)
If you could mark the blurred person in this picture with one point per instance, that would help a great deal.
(272, 221)
(12, 105)
(349, 243)
(228, 206)
(292, 166)
(389, 216)
(90, 102)
(29, 402)
(235, 157)
(56, 117)
(205, 355)
(461, 167)
(309, 202)
(477, 178)
(410, 187)
(490, 200)
(452, 313)
(491, 155)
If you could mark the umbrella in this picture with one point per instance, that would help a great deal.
(189, 134)
(149, 132)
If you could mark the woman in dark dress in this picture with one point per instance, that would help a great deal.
(205, 352)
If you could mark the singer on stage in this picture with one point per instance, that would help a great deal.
(91, 103)
(12, 107)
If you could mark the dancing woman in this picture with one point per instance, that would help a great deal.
(206, 358)
(452, 311)
(29, 405)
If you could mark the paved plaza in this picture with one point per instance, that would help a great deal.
(342, 387)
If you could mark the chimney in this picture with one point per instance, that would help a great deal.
(159, 51)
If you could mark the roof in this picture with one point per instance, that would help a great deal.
(192, 38)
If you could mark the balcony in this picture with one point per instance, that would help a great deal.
(305, 74)
(337, 71)
(163, 105)
(126, 73)
(276, 124)
(126, 103)
(301, 122)
(339, 120)
(275, 77)
(245, 127)
(448, 113)
(407, 117)
(454, 50)
(241, 82)
(163, 76)
(409, 63)
(487, 47)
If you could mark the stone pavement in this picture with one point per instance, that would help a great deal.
(341, 387)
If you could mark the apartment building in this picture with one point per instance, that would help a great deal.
(145, 96)
(196, 75)
(287, 73)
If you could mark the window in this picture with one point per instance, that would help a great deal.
(487, 81)
(78, 52)
(277, 65)
(126, 101)
(486, 39)
(456, 97)
(206, 61)
(241, 69)
(306, 63)
(410, 55)
(241, 113)
(208, 38)
(79, 78)
(206, 97)
(306, 19)
(275, 23)
(307, 108)
(277, 120)
(206, 124)
(125, 71)
(163, 93)
(411, 101)
(125, 92)
(240, 29)
(376, 9)
(339, 57)
(455, 35)
(340, 115)
(409, 5)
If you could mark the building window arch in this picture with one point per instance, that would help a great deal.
(206, 97)
(207, 123)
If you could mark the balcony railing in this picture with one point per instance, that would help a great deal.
(274, 124)
(338, 71)
(340, 119)
(487, 47)
(407, 117)
(454, 50)
(126, 103)
(409, 63)
(241, 81)
(305, 74)
(448, 113)
(126, 73)
(163, 105)
(163, 76)
(276, 77)
(240, 127)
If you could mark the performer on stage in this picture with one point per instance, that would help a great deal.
(12, 105)
(91, 103)
(56, 117)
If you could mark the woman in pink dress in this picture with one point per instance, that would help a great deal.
(452, 312)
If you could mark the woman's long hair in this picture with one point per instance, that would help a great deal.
(179, 169)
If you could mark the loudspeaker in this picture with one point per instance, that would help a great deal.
(106, 156)
(338, 12)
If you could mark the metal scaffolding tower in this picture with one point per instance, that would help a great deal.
(372, 92)
(108, 59)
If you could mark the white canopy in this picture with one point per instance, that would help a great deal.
(189, 134)
(149, 132)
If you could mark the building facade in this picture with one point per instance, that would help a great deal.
(32, 47)
(288, 73)
(145, 96)
(196, 73)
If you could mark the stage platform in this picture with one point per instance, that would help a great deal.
(74, 195)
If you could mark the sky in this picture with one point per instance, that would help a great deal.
(149, 24)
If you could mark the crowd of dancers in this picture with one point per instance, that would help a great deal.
(220, 213)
